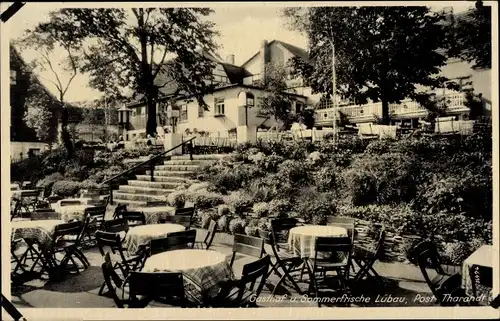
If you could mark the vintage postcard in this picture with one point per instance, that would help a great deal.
(249, 160)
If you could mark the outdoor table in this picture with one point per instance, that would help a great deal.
(36, 232)
(71, 212)
(201, 269)
(142, 234)
(154, 214)
(301, 239)
(481, 257)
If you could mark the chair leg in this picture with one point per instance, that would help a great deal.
(101, 290)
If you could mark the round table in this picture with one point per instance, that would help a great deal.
(155, 213)
(141, 235)
(301, 239)
(201, 269)
(75, 211)
(41, 231)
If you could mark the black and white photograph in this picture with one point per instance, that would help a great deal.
(299, 155)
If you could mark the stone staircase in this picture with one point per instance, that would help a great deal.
(168, 177)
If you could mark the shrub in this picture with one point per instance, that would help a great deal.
(223, 209)
(265, 189)
(237, 226)
(455, 253)
(313, 207)
(293, 172)
(204, 199)
(48, 181)
(66, 188)
(177, 199)
(76, 172)
(381, 179)
(264, 224)
(198, 186)
(232, 179)
(270, 163)
(327, 178)
(88, 184)
(260, 209)
(205, 218)
(239, 202)
(223, 223)
(315, 158)
(252, 231)
(279, 207)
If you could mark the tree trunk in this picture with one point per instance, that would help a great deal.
(385, 112)
(65, 135)
(151, 116)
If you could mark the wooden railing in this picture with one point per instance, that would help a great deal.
(151, 162)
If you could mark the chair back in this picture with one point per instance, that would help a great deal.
(280, 229)
(174, 241)
(345, 222)
(251, 274)
(186, 211)
(212, 229)
(96, 215)
(112, 279)
(481, 279)
(333, 245)
(115, 225)
(177, 219)
(30, 194)
(107, 239)
(427, 257)
(248, 245)
(45, 215)
(70, 229)
(134, 218)
(119, 209)
(157, 285)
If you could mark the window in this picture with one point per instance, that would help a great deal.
(201, 111)
(184, 113)
(219, 107)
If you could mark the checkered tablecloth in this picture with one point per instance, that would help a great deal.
(201, 269)
(71, 212)
(482, 257)
(41, 231)
(301, 239)
(154, 214)
(141, 235)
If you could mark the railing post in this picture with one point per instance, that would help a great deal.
(190, 150)
(110, 195)
(152, 170)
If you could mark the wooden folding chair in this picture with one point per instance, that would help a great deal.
(118, 210)
(165, 287)
(209, 238)
(248, 245)
(175, 219)
(366, 258)
(67, 238)
(134, 218)
(173, 241)
(116, 225)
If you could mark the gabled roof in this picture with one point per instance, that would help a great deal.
(294, 50)
(235, 73)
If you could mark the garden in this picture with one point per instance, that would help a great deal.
(420, 187)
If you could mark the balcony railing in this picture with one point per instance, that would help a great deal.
(455, 102)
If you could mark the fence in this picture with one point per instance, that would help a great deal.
(462, 127)
(203, 145)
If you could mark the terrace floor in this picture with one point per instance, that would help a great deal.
(403, 284)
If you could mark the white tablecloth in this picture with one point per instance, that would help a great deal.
(155, 213)
(201, 269)
(141, 235)
(482, 257)
(41, 231)
(301, 239)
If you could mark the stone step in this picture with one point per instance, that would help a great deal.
(170, 173)
(155, 184)
(199, 162)
(176, 167)
(197, 157)
(166, 178)
(117, 195)
(144, 190)
(130, 203)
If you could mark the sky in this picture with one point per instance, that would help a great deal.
(243, 26)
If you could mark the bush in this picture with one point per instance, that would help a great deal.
(264, 224)
(239, 202)
(223, 209)
(237, 226)
(205, 218)
(327, 178)
(66, 188)
(232, 179)
(252, 231)
(293, 172)
(204, 199)
(88, 184)
(267, 188)
(223, 223)
(260, 209)
(177, 199)
(313, 207)
(76, 172)
(279, 207)
(381, 179)
(198, 186)
(48, 181)
(270, 163)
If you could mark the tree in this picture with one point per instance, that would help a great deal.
(274, 101)
(381, 53)
(47, 44)
(138, 45)
(40, 114)
(470, 36)
(93, 118)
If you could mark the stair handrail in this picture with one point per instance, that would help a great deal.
(150, 161)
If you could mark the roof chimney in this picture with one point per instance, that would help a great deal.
(264, 58)
(230, 59)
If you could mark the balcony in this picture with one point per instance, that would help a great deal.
(406, 109)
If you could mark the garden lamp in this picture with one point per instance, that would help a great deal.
(247, 100)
